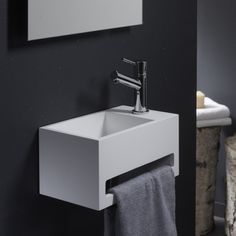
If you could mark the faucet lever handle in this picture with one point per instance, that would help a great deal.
(129, 61)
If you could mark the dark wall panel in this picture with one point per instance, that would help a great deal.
(217, 68)
(51, 80)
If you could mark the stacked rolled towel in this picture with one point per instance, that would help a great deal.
(213, 114)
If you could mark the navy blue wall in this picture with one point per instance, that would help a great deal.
(51, 80)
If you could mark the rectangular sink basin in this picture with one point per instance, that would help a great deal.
(78, 156)
(98, 125)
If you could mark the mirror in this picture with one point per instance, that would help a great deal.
(51, 18)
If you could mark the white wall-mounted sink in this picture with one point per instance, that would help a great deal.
(78, 156)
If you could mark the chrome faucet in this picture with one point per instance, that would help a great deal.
(139, 83)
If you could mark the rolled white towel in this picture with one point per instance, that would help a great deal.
(214, 122)
(212, 110)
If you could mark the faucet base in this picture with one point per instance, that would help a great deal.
(139, 108)
(140, 111)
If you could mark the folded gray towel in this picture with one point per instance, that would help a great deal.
(145, 206)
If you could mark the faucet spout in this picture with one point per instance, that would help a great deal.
(125, 80)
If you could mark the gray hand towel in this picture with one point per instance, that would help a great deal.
(145, 206)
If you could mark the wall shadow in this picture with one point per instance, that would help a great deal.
(17, 23)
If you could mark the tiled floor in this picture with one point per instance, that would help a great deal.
(219, 227)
